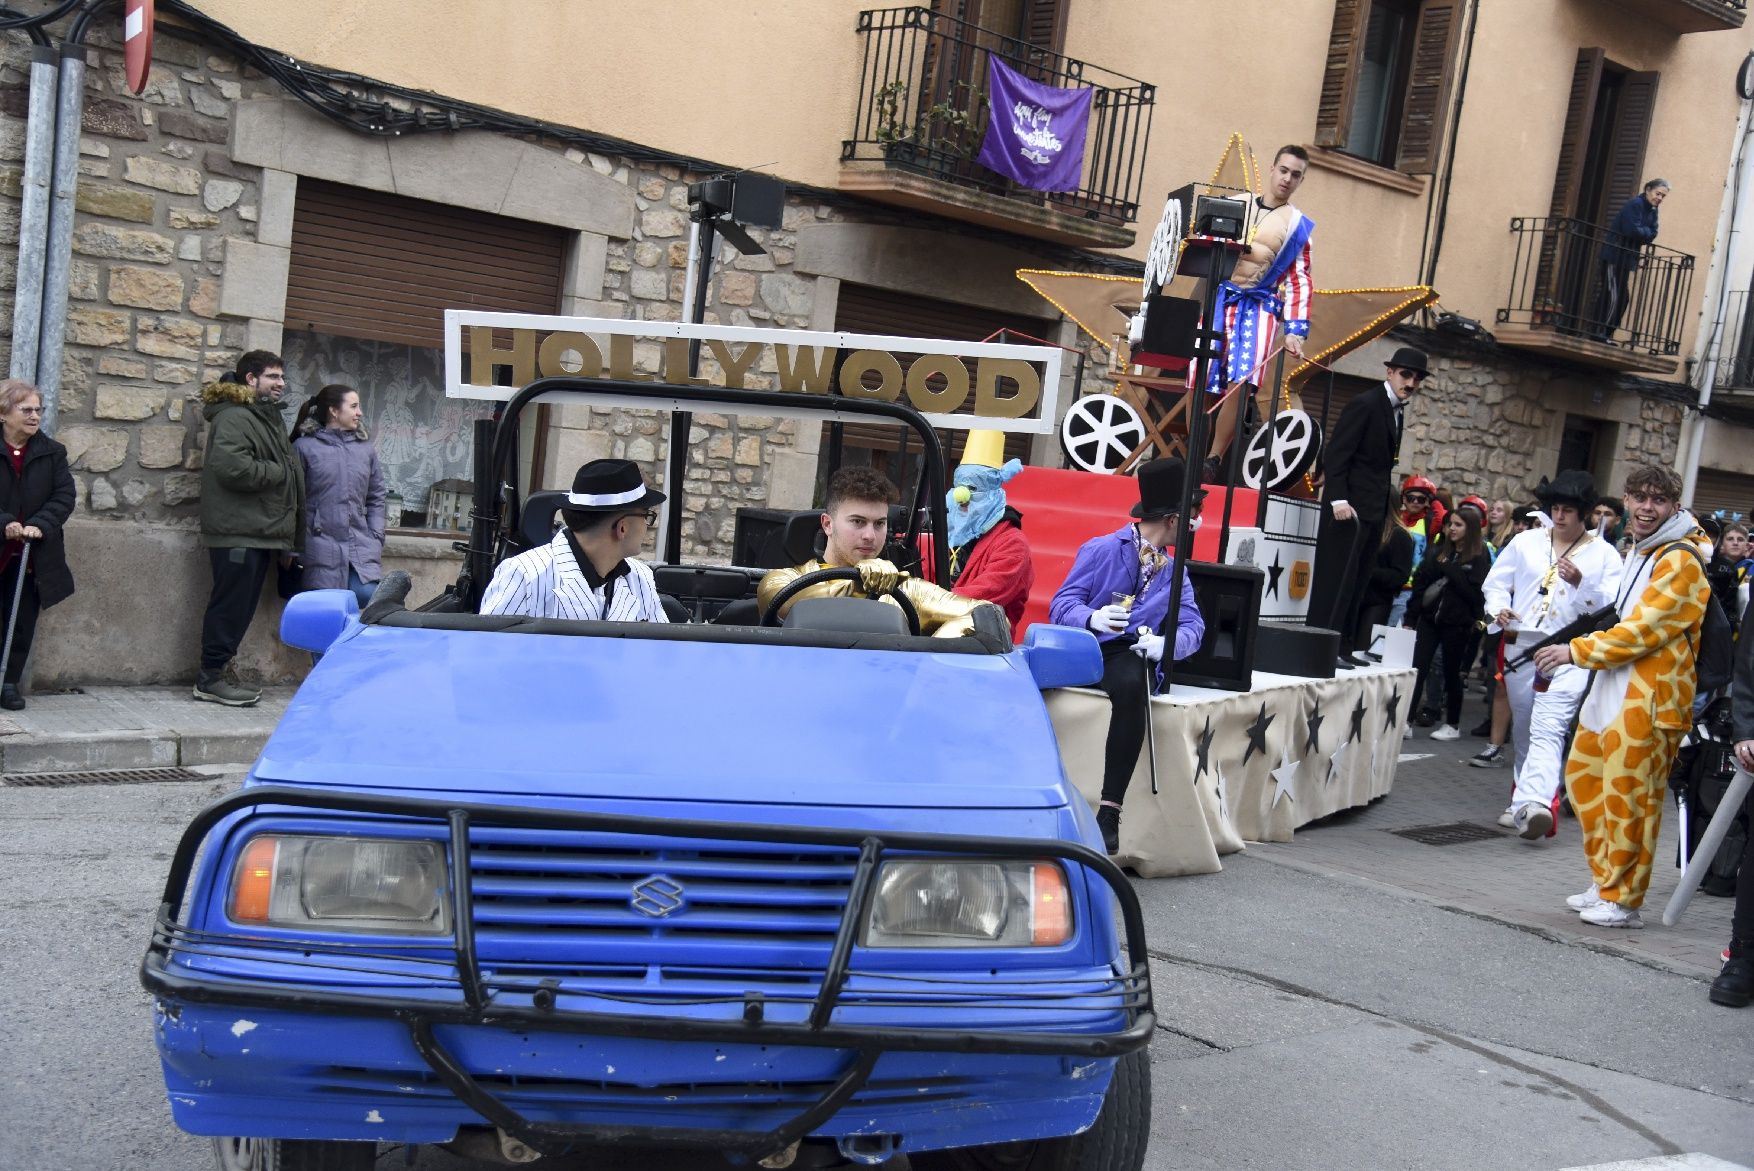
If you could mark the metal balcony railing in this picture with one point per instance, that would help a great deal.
(1734, 348)
(1581, 280)
(923, 107)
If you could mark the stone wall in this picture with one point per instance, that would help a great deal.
(1492, 425)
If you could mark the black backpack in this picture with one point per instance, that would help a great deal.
(1714, 654)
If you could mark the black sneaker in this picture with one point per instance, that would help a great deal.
(1424, 720)
(10, 699)
(1491, 756)
(214, 687)
(1483, 728)
(1734, 985)
(1108, 820)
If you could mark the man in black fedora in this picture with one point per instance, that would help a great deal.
(1360, 462)
(588, 570)
(1118, 588)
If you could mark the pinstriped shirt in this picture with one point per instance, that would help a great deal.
(546, 582)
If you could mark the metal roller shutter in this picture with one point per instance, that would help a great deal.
(1728, 491)
(863, 309)
(385, 268)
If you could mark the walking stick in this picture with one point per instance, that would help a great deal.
(17, 599)
(1150, 728)
(1714, 837)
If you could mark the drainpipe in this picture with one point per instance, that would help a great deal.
(1727, 260)
(69, 107)
(39, 150)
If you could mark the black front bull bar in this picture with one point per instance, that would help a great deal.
(479, 1008)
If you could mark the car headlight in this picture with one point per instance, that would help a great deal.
(966, 903)
(350, 884)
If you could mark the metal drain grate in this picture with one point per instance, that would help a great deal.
(114, 776)
(1454, 833)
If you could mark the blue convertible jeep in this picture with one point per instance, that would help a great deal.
(806, 894)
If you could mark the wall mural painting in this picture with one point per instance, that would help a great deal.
(421, 435)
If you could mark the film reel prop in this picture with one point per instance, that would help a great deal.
(1100, 431)
(1279, 455)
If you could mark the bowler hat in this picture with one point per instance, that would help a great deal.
(1572, 486)
(610, 485)
(1408, 358)
(1160, 488)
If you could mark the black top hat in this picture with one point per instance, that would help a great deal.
(610, 485)
(1160, 488)
(1572, 486)
(1408, 358)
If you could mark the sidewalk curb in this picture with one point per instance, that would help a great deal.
(137, 748)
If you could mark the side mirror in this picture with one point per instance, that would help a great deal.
(1062, 656)
(314, 619)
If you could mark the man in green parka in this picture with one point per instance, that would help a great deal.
(252, 501)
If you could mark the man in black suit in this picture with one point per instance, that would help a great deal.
(1360, 459)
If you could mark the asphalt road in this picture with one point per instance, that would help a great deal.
(1310, 1022)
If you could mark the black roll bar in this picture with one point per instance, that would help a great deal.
(486, 539)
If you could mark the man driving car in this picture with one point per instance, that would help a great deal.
(855, 522)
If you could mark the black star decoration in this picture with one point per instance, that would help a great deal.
(1357, 732)
(1391, 711)
(1312, 738)
(1274, 571)
(1258, 735)
(1205, 750)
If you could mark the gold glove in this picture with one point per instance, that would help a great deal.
(877, 577)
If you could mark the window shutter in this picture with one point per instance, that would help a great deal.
(1044, 24)
(1345, 48)
(1716, 490)
(1586, 79)
(1428, 86)
(385, 268)
(1625, 171)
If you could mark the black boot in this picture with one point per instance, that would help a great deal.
(10, 699)
(1108, 820)
(1734, 985)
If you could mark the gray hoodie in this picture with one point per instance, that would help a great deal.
(344, 509)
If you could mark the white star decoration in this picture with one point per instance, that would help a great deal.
(1337, 762)
(1285, 777)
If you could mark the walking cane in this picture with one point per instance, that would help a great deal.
(1727, 809)
(1150, 727)
(17, 598)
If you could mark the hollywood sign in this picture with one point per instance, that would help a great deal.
(1004, 387)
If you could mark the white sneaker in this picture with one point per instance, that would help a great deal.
(1611, 915)
(1447, 732)
(1584, 900)
(1508, 818)
(1532, 821)
(1407, 731)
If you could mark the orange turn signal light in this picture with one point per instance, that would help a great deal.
(255, 880)
(1052, 922)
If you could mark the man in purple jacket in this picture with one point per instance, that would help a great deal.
(1119, 588)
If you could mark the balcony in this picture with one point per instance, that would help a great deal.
(1734, 350)
(922, 111)
(1690, 16)
(1562, 297)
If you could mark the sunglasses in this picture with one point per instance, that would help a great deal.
(1415, 498)
(651, 515)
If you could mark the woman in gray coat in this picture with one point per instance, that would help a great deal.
(344, 489)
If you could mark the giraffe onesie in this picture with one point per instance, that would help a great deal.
(1638, 708)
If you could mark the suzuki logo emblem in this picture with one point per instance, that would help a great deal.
(657, 896)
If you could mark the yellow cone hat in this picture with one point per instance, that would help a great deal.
(985, 449)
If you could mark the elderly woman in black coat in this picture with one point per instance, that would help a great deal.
(36, 498)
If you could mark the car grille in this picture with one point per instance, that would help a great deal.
(558, 904)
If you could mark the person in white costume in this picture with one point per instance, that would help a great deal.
(1543, 579)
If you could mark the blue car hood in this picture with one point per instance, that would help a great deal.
(495, 715)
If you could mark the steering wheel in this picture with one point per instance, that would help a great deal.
(771, 616)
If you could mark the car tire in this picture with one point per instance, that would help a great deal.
(275, 1154)
(1116, 1141)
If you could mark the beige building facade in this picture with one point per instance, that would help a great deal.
(536, 157)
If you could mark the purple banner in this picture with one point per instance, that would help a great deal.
(1035, 132)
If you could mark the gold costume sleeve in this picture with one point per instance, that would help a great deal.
(942, 613)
